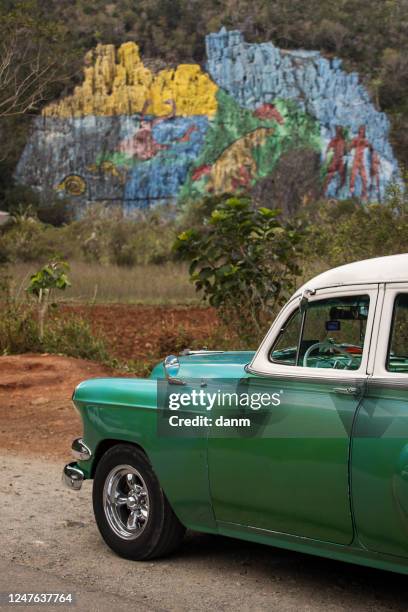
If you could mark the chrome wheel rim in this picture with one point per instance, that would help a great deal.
(126, 502)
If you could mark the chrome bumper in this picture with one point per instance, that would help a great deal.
(72, 476)
(80, 451)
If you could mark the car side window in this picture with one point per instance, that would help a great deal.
(329, 334)
(285, 348)
(397, 356)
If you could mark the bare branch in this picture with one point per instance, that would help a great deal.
(29, 63)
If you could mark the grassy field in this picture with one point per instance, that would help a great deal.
(142, 284)
(94, 283)
(129, 318)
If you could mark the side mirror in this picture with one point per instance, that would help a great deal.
(171, 368)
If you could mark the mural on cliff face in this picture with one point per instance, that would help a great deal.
(243, 146)
(131, 136)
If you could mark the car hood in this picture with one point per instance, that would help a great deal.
(229, 364)
(124, 391)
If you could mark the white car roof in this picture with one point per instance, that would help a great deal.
(393, 268)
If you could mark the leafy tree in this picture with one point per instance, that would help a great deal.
(244, 261)
(43, 283)
(346, 231)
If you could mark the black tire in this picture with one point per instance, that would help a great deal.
(160, 534)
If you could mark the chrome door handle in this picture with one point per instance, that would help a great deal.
(346, 390)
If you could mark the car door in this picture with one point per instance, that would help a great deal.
(380, 439)
(289, 471)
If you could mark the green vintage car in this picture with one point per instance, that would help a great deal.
(320, 466)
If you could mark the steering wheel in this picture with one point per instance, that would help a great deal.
(326, 344)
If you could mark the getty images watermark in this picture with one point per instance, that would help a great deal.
(225, 406)
(221, 400)
(258, 408)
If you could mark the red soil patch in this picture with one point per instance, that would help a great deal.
(36, 413)
(142, 332)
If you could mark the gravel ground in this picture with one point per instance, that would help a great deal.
(49, 540)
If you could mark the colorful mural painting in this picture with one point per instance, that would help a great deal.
(242, 146)
(131, 136)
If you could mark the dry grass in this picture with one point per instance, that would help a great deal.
(144, 284)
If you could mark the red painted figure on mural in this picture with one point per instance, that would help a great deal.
(375, 170)
(268, 111)
(143, 144)
(360, 144)
(337, 164)
(201, 171)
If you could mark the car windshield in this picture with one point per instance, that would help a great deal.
(329, 335)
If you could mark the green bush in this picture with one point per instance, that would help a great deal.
(18, 198)
(102, 236)
(19, 333)
(49, 209)
(25, 238)
(73, 337)
(20, 330)
(194, 212)
(342, 232)
(243, 260)
(148, 238)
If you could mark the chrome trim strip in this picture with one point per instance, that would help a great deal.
(72, 476)
(272, 532)
(396, 383)
(187, 352)
(80, 451)
(309, 377)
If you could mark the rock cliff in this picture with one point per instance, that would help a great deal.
(136, 137)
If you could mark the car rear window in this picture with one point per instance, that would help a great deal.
(397, 357)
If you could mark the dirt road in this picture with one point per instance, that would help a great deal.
(49, 541)
(36, 412)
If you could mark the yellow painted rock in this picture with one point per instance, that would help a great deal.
(118, 83)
